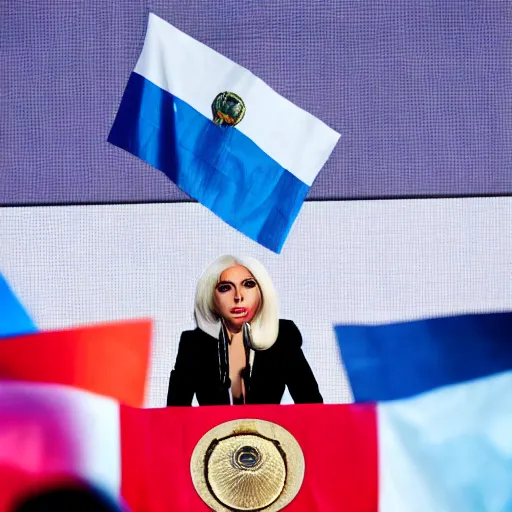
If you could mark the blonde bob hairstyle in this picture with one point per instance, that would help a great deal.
(265, 324)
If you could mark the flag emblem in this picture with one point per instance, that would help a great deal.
(228, 108)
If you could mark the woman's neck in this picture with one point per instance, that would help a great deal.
(233, 331)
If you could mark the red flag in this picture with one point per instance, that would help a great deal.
(108, 359)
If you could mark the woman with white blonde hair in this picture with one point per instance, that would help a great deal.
(240, 352)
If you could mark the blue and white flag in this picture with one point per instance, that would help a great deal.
(221, 134)
(444, 417)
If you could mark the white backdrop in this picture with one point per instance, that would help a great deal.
(344, 262)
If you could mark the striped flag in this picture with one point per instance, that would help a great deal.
(221, 134)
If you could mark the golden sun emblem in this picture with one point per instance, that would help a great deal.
(247, 465)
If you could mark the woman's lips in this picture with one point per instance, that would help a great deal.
(239, 311)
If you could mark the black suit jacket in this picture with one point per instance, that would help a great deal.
(197, 371)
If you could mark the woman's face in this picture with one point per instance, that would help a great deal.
(237, 297)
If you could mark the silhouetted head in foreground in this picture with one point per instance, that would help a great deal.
(76, 498)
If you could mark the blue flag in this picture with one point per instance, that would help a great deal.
(14, 320)
(387, 362)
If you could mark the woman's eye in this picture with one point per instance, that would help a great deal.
(250, 283)
(223, 288)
